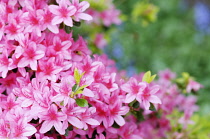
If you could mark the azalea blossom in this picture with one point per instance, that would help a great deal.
(63, 13)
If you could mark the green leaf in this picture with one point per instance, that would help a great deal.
(77, 76)
(81, 102)
(75, 88)
(62, 103)
(75, 23)
(136, 104)
(67, 29)
(148, 78)
(115, 125)
(152, 107)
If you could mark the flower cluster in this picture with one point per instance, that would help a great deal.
(52, 87)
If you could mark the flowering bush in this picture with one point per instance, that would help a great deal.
(52, 87)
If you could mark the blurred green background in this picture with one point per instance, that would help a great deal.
(175, 40)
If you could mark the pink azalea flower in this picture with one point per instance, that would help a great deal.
(79, 49)
(10, 103)
(33, 20)
(81, 7)
(111, 16)
(47, 21)
(102, 112)
(21, 129)
(48, 69)
(8, 83)
(116, 112)
(6, 63)
(86, 118)
(193, 86)
(4, 129)
(72, 111)
(30, 56)
(52, 118)
(14, 31)
(63, 13)
(60, 48)
(147, 96)
(133, 88)
(129, 131)
(65, 89)
(100, 41)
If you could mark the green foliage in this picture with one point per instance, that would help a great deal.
(171, 42)
(148, 78)
(81, 102)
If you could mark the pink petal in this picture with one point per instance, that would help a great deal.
(119, 120)
(68, 21)
(146, 104)
(75, 122)
(26, 103)
(53, 28)
(58, 127)
(129, 98)
(23, 62)
(84, 16)
(154, 89)
(126, 87)
(57, 20)
(46, 126)
(154, 99)
(30, 130)
(87, 92)
(33, 65)
(92, 121)
(54, 9)
(83, 6)
(39, 54)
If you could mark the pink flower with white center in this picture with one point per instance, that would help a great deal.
(81, 7)
(6, 63)
(116, 112)
(52, 118)
(86, 117)
(63, 13)
(133, 88)
(147, 96)
(30, 56)
(47, 21)
(193, 86)
(21, 129)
